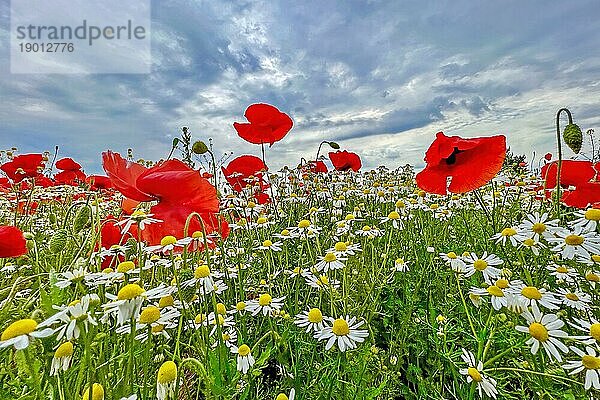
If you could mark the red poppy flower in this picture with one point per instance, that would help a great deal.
(316, 167)
(246, 171)
(179, 190)
(5, 184)
(266, 124)
(470, 163)
(578, 174)
(69, 177)
(12, 242)
(23, 166)
(67, 164)
(344, 160)
(238, 171)
(98, 182)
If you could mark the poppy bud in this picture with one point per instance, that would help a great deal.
(573, 137)
(82, 218)
(199, 147)
(334, 145)
(58, 241)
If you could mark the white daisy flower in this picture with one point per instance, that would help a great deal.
(313, 320)
(486, 264)
(245, 360)
(21, 332)
(577, 243)
(329, 262)
(588, 219)
(62, 358)
(544, 330)
(474, 373)
(589, 362)
(343, 331)
(575, 299)
(265, 304)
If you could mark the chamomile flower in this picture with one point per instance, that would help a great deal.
(72, 318)
(495, 293)
(530, 295)
(591, 329)
(455, 262)
(588, 219)
(394, 218)
(486, 264)
(126, 304)
(137, 217)
(312, 319)
(265, 304)
(577, 243)
(166, 380)
(536, 226)
(245, 360)
(269, 245)
(345, 249)
(510, 234)
(283, 396)
(590, 362)
(544, 330)
(562, 272)
(322, 282)
(400, 265)
(62, 358)
(21, 332)
(343, 331)
(474, 373)
(329, 262)
(575, 299)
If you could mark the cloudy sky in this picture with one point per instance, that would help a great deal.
(379, 77)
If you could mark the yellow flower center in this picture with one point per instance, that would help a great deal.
(281, 396)
(167, 240)
(149, 315)
(341, 246)
(400, 204)
(199, 318)
(243, 350)
(130, 291)
(596, 258)
(495, 291)
(125, 266)
(267, 243)
(574, 240)
(572, 296)
(285, 232)
(329, 257)
(261, 220)
(166, 301)
(452, 255)
(480, 265)
(167, 372)
(538, 331)
(340, 327)
(366, 228)
(592, 214)
(202, 272)
(265, 299)
(251, 204)
(590, 362)
(197, 235)
(221, 309)
(538, 228)
(529, 242)
(562, 269)
(323, 280)
(508, 232)
(74, 303)
(394, 215)
(64, 350)
(434, 206)
(474, 374)
(158, 328)
(502, 283)
(592, 277)
(315, 315)
(240, 306)
(531, 293)
(595, 331)
(97, 392)
(349, 217)
(304, 223)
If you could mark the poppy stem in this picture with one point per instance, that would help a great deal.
(559, 164)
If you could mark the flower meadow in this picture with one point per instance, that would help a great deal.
(195, 277)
